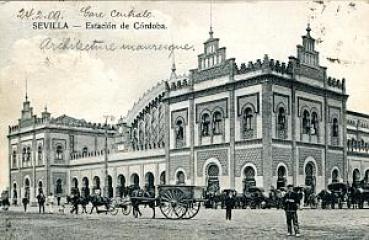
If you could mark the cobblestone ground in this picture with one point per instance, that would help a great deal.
(208, 224)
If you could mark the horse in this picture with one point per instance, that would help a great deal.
(83, 201)
(98, 201)
(141, 197)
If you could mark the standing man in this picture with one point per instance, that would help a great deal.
(229, 204)
(25, 202)
(291, 204)
(41, 201)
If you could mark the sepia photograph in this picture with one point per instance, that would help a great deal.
(184, 120)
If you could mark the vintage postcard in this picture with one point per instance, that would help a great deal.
(184, 119)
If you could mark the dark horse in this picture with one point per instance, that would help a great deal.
(141, 197)
(98, 201)
(75, 201)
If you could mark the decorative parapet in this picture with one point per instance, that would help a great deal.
(214, 72)
(266, 64)
(179, 83)
(79, 155)
(336, 83)
(62, 121)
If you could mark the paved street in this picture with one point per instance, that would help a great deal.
(208, 224)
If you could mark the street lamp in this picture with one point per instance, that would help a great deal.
(106, 188)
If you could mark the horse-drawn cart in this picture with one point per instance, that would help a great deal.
(174, 201)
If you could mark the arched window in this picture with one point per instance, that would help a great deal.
(213, 178)
(335, 127)
(135, 180)
(84, 151)
(85, 187)
(314, 123)
(179, 129)
(15, 193)
(356, 177)
(217, 120)
(39, 154)
(27, 185)
(40, 187)
(58, 187)
(149, 182)
(205, 124)
(310, 178)
(14, 157)
(121, 185)
(96, 183)
(180, 177)
(366, 177)
(306, 122)
(24, 154)
(335, 175)
(110, 187)
(162, 178)
(249, 180)
(281, 119)
(247, 119)
(281, 181)
(28, 154)
(59, 152)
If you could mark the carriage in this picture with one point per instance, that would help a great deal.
(339, 195)
(174, 201)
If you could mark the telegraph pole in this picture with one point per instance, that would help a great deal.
(106, 188)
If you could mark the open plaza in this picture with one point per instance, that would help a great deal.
(208, 224)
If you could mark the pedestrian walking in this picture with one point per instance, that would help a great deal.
(25, 202)
(291, 204)
(229, 203)
(41, 202)
(50, 202)
(58, 199)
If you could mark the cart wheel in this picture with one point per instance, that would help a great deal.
(113, 210)
(192, 210)
(126, 210)
(172, 204)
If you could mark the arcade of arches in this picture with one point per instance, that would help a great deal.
(121, 188)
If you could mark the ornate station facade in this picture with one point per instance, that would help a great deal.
(225, 125)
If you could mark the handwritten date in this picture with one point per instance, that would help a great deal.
(32, 14)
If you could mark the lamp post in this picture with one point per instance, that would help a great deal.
(106, 188)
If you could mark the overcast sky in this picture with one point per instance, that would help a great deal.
(90, 84)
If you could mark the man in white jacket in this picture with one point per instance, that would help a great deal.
(50, 202)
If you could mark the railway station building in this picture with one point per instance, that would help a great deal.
(223, 125)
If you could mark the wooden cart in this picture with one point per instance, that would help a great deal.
(175, 201)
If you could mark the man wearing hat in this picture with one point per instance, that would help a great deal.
(291, 204)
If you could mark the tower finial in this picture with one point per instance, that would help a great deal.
(26, 89)
(308, 29)
(173, 74)
(211, 19)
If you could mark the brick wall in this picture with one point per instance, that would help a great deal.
(244, 156)
(282, 155)
(310, 152)
(219, 154)
(334, 160)
(180, 161)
